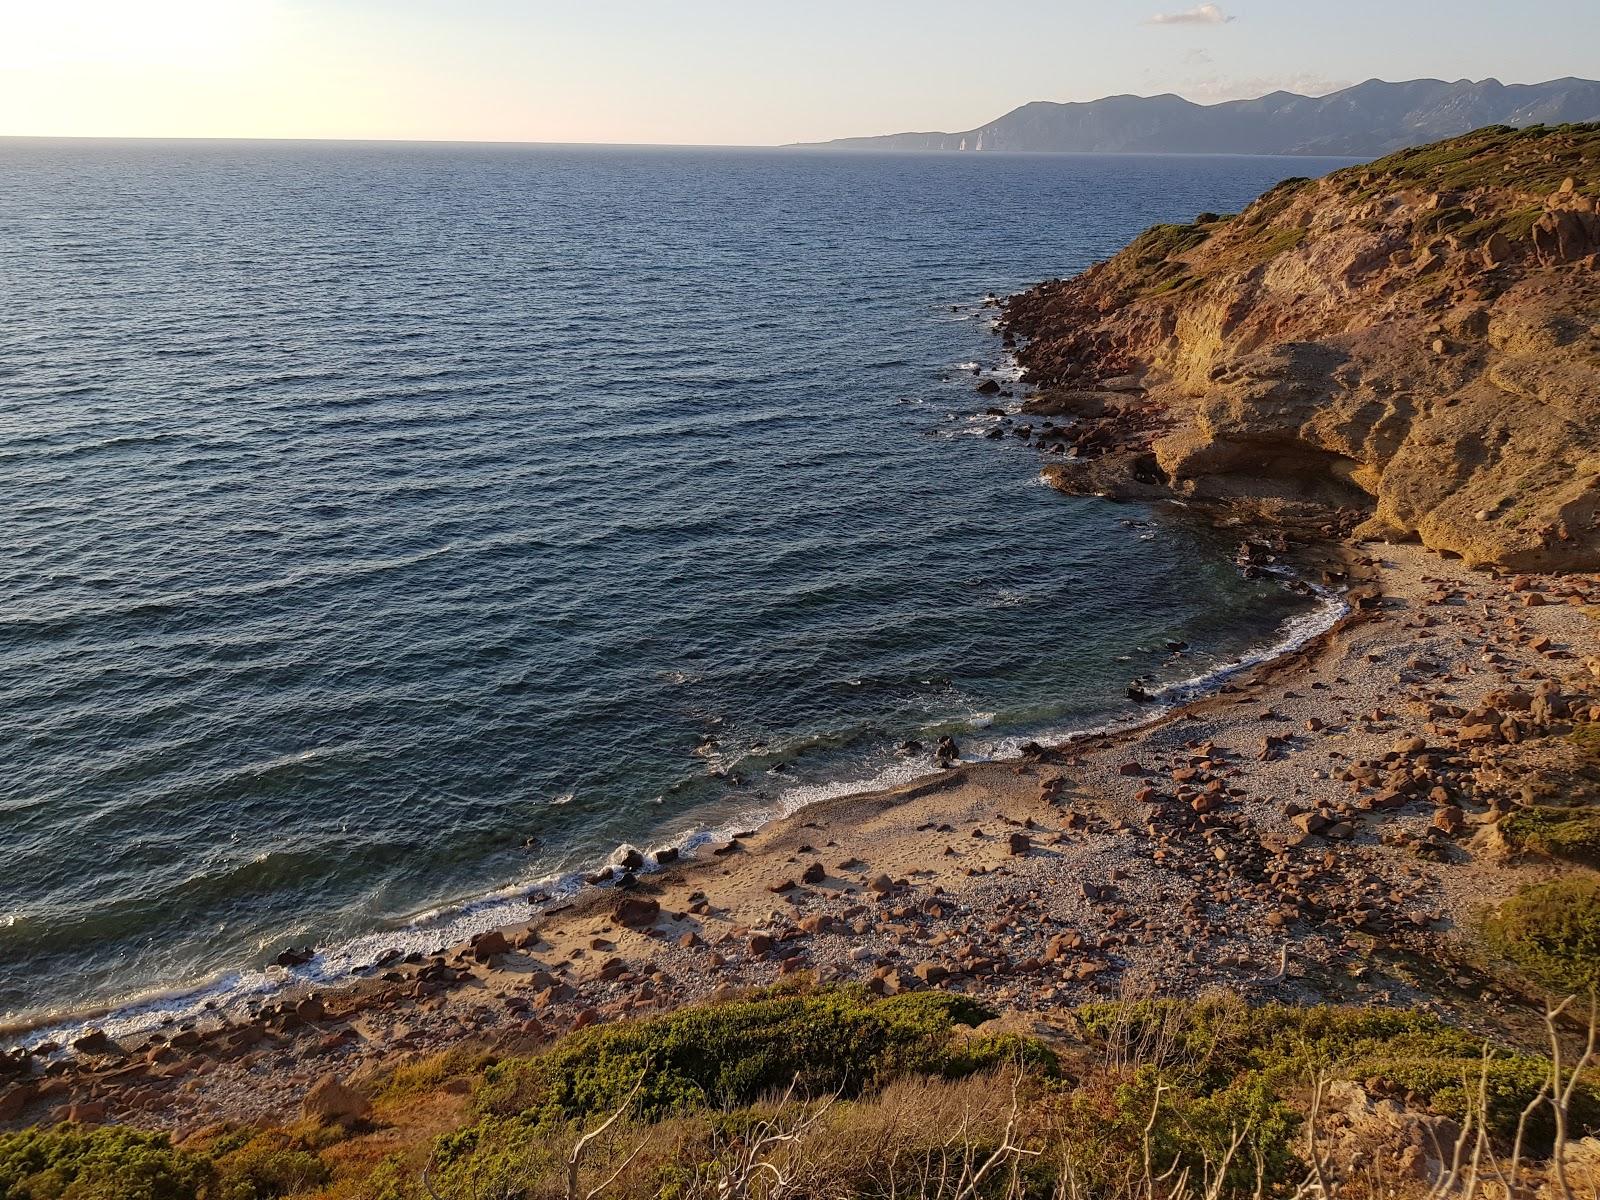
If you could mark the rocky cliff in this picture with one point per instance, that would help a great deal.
(1414, 344)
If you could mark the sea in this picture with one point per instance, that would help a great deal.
(395, 533)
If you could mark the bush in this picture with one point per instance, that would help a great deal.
(732, 1054)
(1246, 1063)
(1551, 932)
(1569, 833)
(269, 1166)
(69, 1163)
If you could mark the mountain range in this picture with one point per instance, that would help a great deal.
(1368, 119)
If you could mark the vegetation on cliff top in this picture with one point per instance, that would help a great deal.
(1521, 164)
(1534, 160)
(844, 1096)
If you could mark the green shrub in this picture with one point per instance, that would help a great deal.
(837, 1040)
(270, 1166)
(71, 1163)
(1160, 243)
(1569, 833)
(1586, 737)
(1246, 1062)
(1551, 931)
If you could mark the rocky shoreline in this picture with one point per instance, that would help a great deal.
(1329, 826)
(1322, 828)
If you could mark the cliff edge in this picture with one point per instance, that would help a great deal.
(1413, 344)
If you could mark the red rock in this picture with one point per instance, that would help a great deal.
(1311, 822)
(331, 1102)
(14, 1099)
(637, 912)
(487, 945)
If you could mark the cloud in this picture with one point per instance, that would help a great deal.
(1213, 89)
(1204, 14)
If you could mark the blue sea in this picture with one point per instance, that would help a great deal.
(393, 531)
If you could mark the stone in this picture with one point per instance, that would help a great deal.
(1019, 843)
(87, 1112)
(814, 874)
(637, 912)
(97, 1043)
(16, 1098)
(332, 1102)
(486, 946)
(293, 957)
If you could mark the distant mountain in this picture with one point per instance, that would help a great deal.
(1371, 118)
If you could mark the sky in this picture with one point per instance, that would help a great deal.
(717, 72)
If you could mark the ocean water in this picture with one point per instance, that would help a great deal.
(391, 530)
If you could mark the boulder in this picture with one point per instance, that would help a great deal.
(97, 1043)
(637, 912)
(486, 946)
(332, 1102)
(14, 1099)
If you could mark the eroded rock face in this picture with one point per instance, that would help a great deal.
(1418, 339)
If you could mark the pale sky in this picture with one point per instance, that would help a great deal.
(710, 72)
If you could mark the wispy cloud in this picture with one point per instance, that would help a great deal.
(1204, 14)
(1216, 88)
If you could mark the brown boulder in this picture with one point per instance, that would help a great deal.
(486, 946)
(637, 912)
(332, 1102)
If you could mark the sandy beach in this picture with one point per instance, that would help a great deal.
(1321, 828)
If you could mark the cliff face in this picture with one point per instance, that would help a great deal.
(1417, 340)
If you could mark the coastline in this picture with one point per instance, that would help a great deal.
(233, 995)
(1171, 854)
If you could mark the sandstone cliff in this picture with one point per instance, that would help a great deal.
(1415, 341)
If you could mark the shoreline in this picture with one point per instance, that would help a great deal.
(1317, 862)
(231, 994)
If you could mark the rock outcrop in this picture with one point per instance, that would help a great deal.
(1414, 344)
